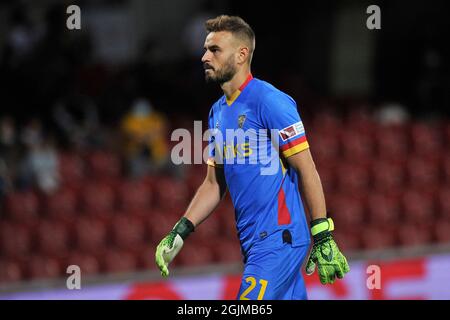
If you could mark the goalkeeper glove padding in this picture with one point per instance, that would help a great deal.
(171, 244)
(325, 253)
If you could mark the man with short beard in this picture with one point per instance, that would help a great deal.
(269, 212)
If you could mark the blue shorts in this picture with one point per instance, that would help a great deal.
(273, 271)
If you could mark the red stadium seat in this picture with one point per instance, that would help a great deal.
(356, 146)
(128, 232)
(410, 234)
(195, 178)
(422, 173)
(347, 211)
(145, 256)
(62, 205)
(103, 165)
(352, 177)
(387, 176)
(444, 202)
(347, 240)
(15, 240)
(159, 223)
(118, 261)
(171, 194)
(442, 230)
(426, 138)
(98, 199)
(196, 254)
(209, 229)
(22, 207)
(41, 267)
(392, 142)
(90, 234)
(52, 238)
(446, 167)
(324, 146)
(383, 209)
(418, 206)
(378, 237)
(226, 251)
(88, 263)
(135, 196)
(71, 168)
(10, 271)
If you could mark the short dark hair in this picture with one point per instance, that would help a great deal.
(236, 25)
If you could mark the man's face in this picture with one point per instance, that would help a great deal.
(219, 59)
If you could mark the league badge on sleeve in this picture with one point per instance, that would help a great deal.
(292, 131)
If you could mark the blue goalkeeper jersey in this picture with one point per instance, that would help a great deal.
(252, 135)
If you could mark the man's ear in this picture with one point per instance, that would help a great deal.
(243, 55)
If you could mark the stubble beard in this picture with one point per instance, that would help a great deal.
(225, 74)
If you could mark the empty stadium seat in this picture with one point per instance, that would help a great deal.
(226, 251)
(98, 199)
(196, 253)
(22, 207)
(89, 263)
(347, 240)
(425, 138)
(347, 211)
(15, 240)
(423, 173)
(90, 234)
(42, 267)
(417, 206)
(383, 209)
(443, 202)
(352, 177)
(62, 205)
(71, 168)
(10, 271)
(52, 238)
(392, 142)
(135, 196)
(118, 261)
(378, 237)
(442, 230)
(414, 234)
(171, 194)
(127, 231)
(387, 176)
(102, 164)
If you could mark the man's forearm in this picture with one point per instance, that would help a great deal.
(313, 193)
(206, 199)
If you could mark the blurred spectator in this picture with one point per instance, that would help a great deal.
(79, 125)
(392, 113)
(42, 164)
(145, 135)
(32, 134)
(5, 181)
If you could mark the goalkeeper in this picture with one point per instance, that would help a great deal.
(269, 213)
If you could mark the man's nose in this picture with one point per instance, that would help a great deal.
(205, 57)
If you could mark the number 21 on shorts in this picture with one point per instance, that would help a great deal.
(252, 286)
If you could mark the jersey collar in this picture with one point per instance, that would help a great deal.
(236, 94)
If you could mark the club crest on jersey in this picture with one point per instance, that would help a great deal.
(292, 131)
(241, 120)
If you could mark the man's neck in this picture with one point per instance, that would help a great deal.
(230, 87)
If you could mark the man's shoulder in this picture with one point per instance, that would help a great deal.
(270, 94)
(268, 91)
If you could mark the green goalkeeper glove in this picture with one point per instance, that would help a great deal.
(325, 253)
(171, 244)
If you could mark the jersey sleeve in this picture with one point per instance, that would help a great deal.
(279, 111)
(212, 143)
